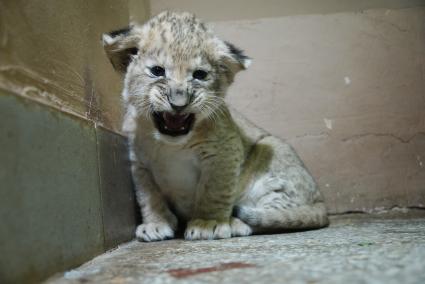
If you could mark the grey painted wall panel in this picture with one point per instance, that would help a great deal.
(65, 191)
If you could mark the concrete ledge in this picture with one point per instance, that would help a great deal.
(358, 248)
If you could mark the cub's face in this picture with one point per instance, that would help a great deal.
(176, 71)
(175, 91)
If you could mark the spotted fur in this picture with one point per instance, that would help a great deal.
(224, 178)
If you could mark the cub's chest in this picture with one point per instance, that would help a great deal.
(176, 171)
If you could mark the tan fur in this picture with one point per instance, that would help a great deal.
(225, 177)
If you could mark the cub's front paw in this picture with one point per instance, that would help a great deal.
(199, 229)
(239, 228)
(151, 232)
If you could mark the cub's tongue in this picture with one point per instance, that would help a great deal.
(175, 121)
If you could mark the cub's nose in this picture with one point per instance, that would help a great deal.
(178, 100)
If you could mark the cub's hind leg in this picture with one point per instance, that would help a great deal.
(283, 196)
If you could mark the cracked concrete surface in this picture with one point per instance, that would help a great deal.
(400, 139)
(357, 248)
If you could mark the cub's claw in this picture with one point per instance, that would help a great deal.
(239, 228)
(151, 232)
(199, 229)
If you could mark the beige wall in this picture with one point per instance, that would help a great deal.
(218, 10)
(50, 51)
(346, 89)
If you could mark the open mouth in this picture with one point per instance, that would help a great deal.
(173, 124)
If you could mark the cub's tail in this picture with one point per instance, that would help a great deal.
(302, 217)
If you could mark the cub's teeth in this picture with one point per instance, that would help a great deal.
(182, 128)
(165, 127)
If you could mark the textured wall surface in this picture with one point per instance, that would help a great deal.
(51, 52)
(348, 91)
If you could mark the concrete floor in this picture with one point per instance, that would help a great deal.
(357, 248)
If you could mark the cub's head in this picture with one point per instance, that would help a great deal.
(176, 70)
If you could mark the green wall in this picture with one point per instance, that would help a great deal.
(65, 190)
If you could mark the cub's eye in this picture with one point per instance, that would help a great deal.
(200, 74)
(157, 71)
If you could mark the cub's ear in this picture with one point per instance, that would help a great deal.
(237, 57)
(120, 46)
(232, 59)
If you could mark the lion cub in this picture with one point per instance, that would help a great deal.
(194, 160)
